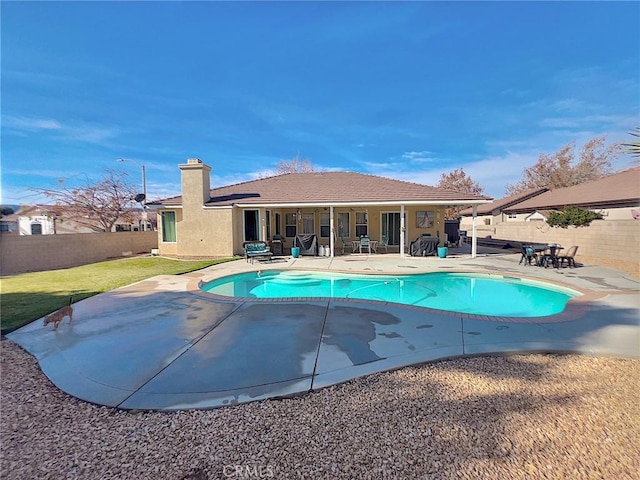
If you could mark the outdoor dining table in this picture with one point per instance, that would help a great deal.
(553, 249)
(358, 247)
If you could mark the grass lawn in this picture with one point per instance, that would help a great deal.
(29, 296)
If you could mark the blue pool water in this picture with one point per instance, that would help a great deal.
(458, 292)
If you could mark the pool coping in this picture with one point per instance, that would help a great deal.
(575, 308)
(164, 328)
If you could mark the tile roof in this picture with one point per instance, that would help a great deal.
(618, 189)
(502, 203)
(328, 188)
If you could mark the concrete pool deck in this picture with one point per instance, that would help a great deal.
(158, 344)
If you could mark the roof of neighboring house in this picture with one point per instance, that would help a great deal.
(38, 210)
(9, 218)
(544, 213)
(504, 202)
(328, 188)
(618, 189)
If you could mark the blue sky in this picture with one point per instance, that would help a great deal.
(402, 90)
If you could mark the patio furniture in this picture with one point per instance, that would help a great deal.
(383, 243)
(569, 257)
(345, 244)
(365, 242)
(550, 256)
(528, 255)
(308, 244)
(424, 246)
(256, 249)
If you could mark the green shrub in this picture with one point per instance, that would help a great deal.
(576, 216)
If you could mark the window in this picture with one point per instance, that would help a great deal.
(169, 227)
(308, 223)
(361, 224)
(277, 217)
(344, 231)
(290, 224)
(36, 229)
(325, 228)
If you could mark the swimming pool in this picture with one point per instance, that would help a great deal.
(479, 294)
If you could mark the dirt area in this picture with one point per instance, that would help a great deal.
(536, 416)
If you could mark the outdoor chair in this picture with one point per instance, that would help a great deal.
(569, 257)
(528, 255)
(365, 242)
(383, 243)
(344, 244)
(550, 257)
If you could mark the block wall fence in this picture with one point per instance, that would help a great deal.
(34, 253)
(609, 240)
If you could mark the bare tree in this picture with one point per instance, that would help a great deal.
(96, 205)
(458, 181)
(295, 165)
(561, 170)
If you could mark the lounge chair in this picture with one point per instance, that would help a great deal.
(569, 257)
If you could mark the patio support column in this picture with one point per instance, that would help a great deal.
(402, 230)
(263, 224)
(332, 233)
(474, 232)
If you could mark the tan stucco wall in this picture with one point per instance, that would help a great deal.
(200, 232)
(34, 253)
(374, 222)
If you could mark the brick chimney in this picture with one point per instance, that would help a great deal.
(196, 183)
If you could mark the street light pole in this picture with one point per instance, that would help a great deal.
(144, 191)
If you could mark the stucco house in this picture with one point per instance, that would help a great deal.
(494, 212)
(332, 205)
(51, 220)
(613, 196)
(616, 197)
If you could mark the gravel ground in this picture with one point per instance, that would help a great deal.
(537, 416)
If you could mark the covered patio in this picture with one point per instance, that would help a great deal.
(336, 207)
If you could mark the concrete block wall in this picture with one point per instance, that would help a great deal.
(33, 253)
(617, 240)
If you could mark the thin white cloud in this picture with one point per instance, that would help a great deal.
(423, 156)
(492, 173)
(91, 134)
(559, 123)
(81, 133)
(31, 124)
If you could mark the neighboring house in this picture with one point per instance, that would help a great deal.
(331, 205)
(494, 212)
(613, 196)
(136, 223)
(50, 220)
(539, 216)
(9, 224)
